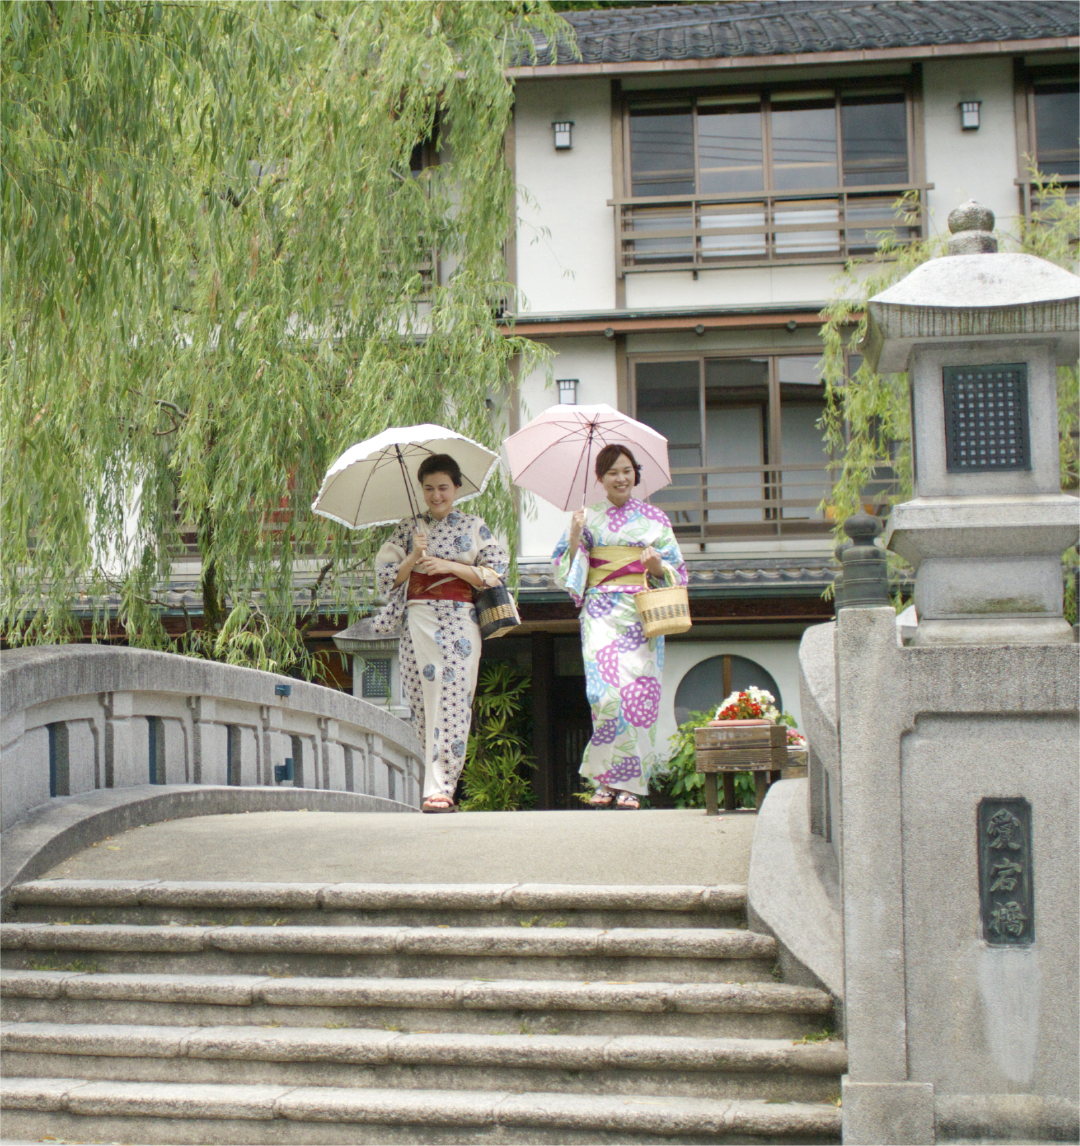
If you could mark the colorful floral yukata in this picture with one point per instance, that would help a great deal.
(440, 640)
(623, 670)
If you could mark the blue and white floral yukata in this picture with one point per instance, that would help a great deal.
(623, 670)
(440, 640)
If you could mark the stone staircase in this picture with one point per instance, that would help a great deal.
(162, 1012)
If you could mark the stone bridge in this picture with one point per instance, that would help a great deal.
(90, 729)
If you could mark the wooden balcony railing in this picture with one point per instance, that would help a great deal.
(699, 232)
(728, 503)
(1031, 201)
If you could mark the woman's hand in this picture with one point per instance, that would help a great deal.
(653, 562)
(577, 525)
(436, 566)
(418, 552)
(412, 560)
(439, 567)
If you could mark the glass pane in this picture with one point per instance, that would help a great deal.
(805, 478)
(669, 400)
(874, 131)
(662, 151)
(807, 227)
(1057, 127)
(736, 423)
(804, 146)
(730, 230)
(729, 149)
(675, 226)
(868, 218)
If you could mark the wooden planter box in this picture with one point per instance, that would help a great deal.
(739, 746)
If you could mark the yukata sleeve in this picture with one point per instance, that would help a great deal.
(670, 554)
(388, 561)
(572, 569)
(490, 552)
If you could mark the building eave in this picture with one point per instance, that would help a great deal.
(799, 59)
(612, 322)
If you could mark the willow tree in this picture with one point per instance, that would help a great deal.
(867, 420)
(222, 228)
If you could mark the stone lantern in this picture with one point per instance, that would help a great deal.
(981, 334)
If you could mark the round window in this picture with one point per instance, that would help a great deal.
(709, 682)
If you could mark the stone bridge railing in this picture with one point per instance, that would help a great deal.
(75, 718)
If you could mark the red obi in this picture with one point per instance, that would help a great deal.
(438, 587)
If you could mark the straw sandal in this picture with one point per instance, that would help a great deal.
(444, 803)
(628, 802)
(602, 798)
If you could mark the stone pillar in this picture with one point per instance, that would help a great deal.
(120, 766)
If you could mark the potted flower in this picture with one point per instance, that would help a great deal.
(751, 706)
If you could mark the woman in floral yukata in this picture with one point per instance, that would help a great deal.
(600, 561)
(428, 570)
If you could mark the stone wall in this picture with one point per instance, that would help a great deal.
(949, 1014)
(75, 718)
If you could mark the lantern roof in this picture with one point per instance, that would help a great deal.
(980, 295)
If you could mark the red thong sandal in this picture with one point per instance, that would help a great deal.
(628, 802)
(438, 803)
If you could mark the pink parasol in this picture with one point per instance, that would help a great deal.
(554, 454)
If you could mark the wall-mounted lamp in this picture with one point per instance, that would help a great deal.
(568, 391)
(791, 325)
(283, 690)
(563, 140)
(969, 115)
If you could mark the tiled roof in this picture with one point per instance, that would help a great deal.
(789, 27)
(712, 575)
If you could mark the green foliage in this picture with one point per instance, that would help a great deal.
(867, 419)
(214, 254)
(498, 754)
(680, 781)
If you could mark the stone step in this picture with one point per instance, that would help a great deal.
(674, 954)
(760, 1009)
(774, 1069)
(353, 904)
(197, 1113)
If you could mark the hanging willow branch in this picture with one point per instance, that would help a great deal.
(867, 419)
(215, 262)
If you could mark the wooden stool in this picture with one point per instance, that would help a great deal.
(761, 749)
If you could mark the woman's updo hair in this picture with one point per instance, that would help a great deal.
(609, 455)
(440, 464)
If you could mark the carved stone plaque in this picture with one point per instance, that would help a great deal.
(986, 418)
(1006, 888)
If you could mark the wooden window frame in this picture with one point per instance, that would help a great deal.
(1025, 79)
(623, 102)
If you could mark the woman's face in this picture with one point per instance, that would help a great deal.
(618, 481)
(439, 494)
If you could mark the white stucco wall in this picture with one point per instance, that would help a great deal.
(970, 164)
(571, 267)
(733, 286)
(779, 658)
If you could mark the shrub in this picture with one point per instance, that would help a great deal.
(497, 759)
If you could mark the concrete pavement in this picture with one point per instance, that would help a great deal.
(583, 847)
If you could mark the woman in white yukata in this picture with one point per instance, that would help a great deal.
(428, 570)
(601, 561)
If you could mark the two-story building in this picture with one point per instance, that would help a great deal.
(691, 188)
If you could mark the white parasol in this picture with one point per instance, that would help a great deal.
(374, 482)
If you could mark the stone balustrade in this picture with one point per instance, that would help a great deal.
(75, 718)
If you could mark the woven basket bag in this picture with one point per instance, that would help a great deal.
(663, 612)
